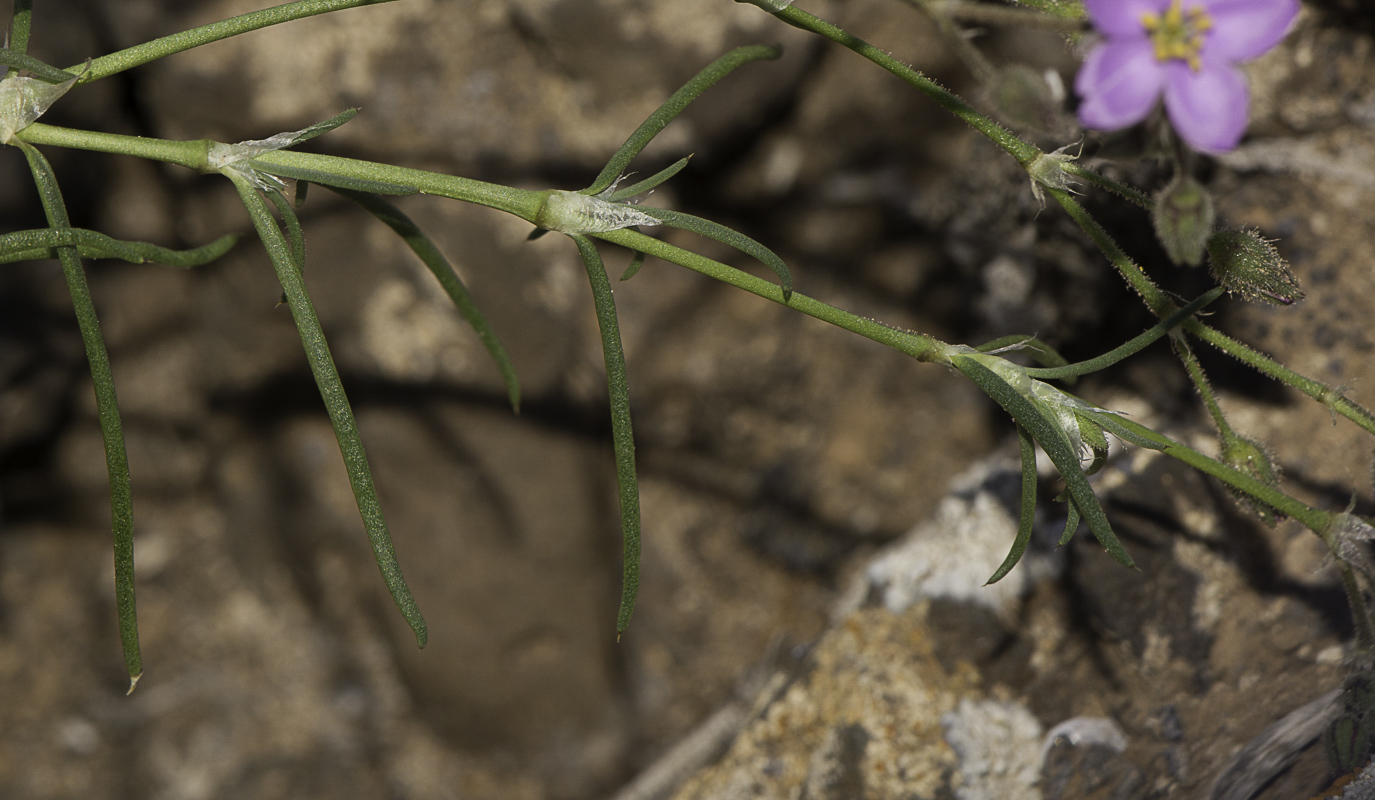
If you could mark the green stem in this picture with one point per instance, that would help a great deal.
(986, 14)
(106, 66)
(1024, 152)
(1320, 522)
(107, 408)
(1160, 304)
(1103, 182)
(917, 345)
(1131, 347)
(1201, 385)
(321, 169)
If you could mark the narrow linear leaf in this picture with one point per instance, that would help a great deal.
(636, 261)
(622, 436)
(44, 72)
(302, 190)
(1028, 516)
(336, 403)
(1071, 523)
(296, 238)
(443, 271)
(648, 183)
(1056, 445)
(107, 409)
(40, 243)
(19, 25)
(672, 107)
(1134, 345)
(719, 232)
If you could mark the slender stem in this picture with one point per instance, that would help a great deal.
(1160, 304)
(1360, 613)
(107, 409)
(1201, 385)
(191, 154)
(1023, 151)
(917, 345)
(1316, 520)
(1131, 347)
(1116, 187)
(987, 14)
(106, 66)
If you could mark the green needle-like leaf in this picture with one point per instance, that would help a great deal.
(19, 25)
(1056, 445)
(40, 243)
(622, 436)
(44, 72)
(1071, 523)
(719, 232)
(1028, 516)
(443, 272)
(672, 107)
(336, 402)
(648, 183)
(636, 261)
(107, 408)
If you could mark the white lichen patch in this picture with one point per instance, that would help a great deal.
(999, 747)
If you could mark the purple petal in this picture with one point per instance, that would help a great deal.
(1244, 29)
(1119, 82)
(1122, 17)
(1208, 108)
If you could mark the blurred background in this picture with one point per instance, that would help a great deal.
(777, 455)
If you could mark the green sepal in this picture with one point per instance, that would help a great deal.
(1091, 434)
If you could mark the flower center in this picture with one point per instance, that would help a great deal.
(1179, 33)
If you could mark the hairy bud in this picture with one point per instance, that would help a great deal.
(1252, 458)
(1183, 219)
(1250, 266)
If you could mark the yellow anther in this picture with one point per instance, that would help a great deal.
(1178, 33)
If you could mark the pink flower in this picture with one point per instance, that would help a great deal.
(1187, 50)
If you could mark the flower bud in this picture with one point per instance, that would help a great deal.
(1026, 100)
(1183, 219)
(1251, 457)
(1251, 266)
